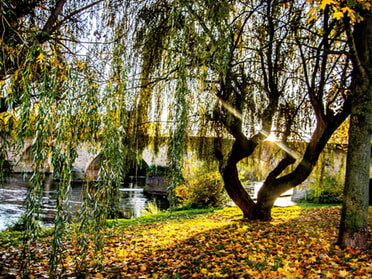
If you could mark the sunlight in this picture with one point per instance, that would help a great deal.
(271, 138)
(230, 108)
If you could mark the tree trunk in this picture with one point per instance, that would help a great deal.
(234, 188)
(354, 219)
(237, 193)
(327, 122)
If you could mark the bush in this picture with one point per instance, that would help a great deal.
(201, 191)
(18, 226)
(151, 208)
(328, 192)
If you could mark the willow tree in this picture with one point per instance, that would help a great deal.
(260, 67)
(59, 91)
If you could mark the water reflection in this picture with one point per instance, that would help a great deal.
(12, 195)
(14, 191)
(133, 199)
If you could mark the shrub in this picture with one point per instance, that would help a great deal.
(200, 191)
(327, 192)
(151, 208)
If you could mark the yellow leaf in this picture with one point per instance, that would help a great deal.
(79, 64)
(311, 19)
(40, 58)
(311, 15)
(324, 4)
(338, 15)
(367, 6)
(347, 10)
(343, 273)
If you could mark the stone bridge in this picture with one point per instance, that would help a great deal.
(333, 160)
(86, 161)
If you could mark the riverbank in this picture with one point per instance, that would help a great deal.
(208, 243)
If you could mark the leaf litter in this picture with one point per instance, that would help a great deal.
(298, 243)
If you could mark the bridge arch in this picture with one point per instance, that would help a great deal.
(135, 169)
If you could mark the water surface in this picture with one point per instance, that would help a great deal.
(14, 192)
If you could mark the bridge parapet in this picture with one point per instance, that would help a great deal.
(86, 160)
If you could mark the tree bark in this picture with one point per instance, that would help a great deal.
(240, 149)
(274, 186)
(354, 219)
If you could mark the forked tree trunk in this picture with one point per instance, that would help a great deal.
(275, 184)
(327, 122)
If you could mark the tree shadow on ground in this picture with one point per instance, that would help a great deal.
(301, 247)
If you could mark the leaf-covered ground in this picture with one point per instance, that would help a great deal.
(298, 243)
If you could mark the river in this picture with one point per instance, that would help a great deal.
(14, 191)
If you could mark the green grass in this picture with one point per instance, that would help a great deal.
(163, 216)
(316, 205)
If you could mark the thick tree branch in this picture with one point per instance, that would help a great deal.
(74, 13)
(283, 164)
(48, 27)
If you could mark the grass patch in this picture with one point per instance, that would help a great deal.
(316, 205)
(163, 216)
